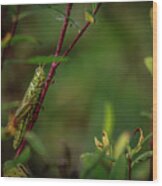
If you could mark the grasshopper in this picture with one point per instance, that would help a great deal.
(25, 111)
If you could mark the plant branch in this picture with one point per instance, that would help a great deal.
(80, 33)
(49, 78)
(54, 67)
(12, 33)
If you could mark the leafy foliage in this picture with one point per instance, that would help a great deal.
(23, 38)
(24, 156)
(147, 138)
(12, 164)
(94, 5)
(121, 144)
(142, 157)
(109, 119)
(94, 166)
(72, 21)
(132, 150)
(89, 17)
(18, 170)
(119, 170)
(6, 40)
(36, 143)
(105, 144)
(112, 161)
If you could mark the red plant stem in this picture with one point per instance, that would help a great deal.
(65, 25)
(80, 33)
(50, 76)
(54, 67)
(12, 32)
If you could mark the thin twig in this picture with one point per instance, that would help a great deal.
(80, 33)
(54, 67)
(12, 32)
(50, 75)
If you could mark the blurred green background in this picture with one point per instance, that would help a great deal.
(106, 66)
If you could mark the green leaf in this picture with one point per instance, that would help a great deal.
(92, 166)
(136, 141)
(6, 40)
(149, 64)
(120, 169)
(137, 138)
(56, 10)
(36, 143)
(74, 23)
(142, 157)
(53, 9)
(89, 17)
(94, 5)
(15, 170)
(9, 164)
(87, 159)
(121, 144)
(24, 156)
(23, 38)
(40, 60)
(147, 138)
(62, 14)
(109, 119)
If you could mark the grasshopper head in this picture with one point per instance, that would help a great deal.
(40, 75)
